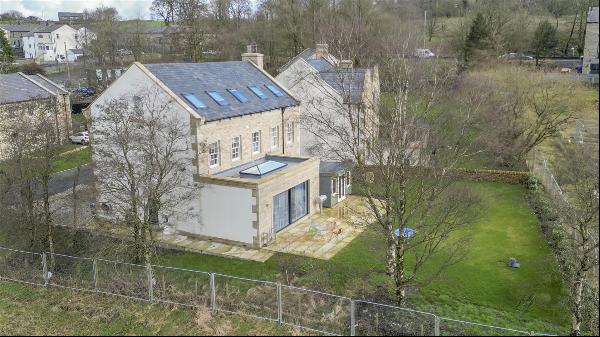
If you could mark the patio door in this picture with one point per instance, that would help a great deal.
(281, 211)
(290, 206)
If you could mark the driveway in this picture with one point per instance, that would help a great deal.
(63, 181)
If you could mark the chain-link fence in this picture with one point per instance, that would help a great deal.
(315, 311)
(539, 166)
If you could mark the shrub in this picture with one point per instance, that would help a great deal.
(32, 68)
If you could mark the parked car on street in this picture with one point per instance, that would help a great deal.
(82, 138)
(84, 91)
(516, 56)
(424, 53)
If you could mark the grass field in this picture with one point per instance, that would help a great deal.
(479, 288)
(28, 310)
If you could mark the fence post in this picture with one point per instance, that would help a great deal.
(352, 318)
(150, 283)
(45, 269)
(437, 326)
(95, 271)
(279, 305)
(213, 292)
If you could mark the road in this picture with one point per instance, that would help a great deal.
(63, 181)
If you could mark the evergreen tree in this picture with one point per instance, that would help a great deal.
(7, 55)
(544, 40)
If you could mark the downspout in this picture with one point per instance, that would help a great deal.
(282, 130)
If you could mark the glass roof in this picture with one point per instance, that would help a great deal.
(263, 168)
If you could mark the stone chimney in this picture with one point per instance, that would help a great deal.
(321, 50)
(346, 64)
(254, 56)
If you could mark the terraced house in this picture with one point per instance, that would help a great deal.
(244, 139)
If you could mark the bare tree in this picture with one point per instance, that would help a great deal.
(578, 170)
(35, 144)
(142, 159)
(523, 111)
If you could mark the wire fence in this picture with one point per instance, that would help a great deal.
(319, 312)
(539, 166)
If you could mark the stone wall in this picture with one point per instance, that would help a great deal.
(224, 130)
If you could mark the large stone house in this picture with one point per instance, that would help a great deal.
(21, 94)
(250, 180)
(332, 91)
(590, 52)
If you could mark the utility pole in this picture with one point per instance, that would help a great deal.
(425, 30)
(67, 61)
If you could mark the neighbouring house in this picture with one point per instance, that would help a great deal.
(335, 91)
(49, 43)
(18, 91)
(590, 52)
(335, 182)
(251, 181)
(15, 34)
(74, 54)
(70, 17)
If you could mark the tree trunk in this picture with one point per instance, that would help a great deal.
(75, 182)
(400, 276)
(578, 294)
(391, 252)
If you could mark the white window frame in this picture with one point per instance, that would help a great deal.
(256, 142)
(290, 132)
(236, 146)
(275, 137)
(213, 154)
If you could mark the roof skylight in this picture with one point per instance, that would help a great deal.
(274, 90)
(195, 101)
(238, 94)
(258, 92)
(218, 98)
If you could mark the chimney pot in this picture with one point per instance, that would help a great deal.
(256, 58)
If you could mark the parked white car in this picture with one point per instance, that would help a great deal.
(423, 53)
(80, 138)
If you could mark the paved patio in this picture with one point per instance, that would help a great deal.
(319, 236)
(323, 236)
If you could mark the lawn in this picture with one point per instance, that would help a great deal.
(28, 310)
(479, 288)
(72, 157)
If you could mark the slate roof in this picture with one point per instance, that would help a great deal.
(18, 28)
(331, 167)
(593, 15)
(32, 28)
(349, 83)
(19, 87)
(198, 78)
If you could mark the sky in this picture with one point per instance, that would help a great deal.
(48, 9)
